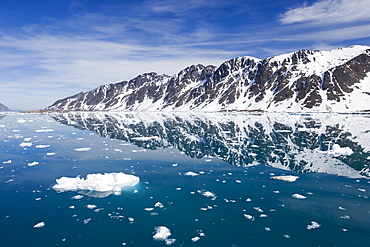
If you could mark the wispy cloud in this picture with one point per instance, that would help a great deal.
(328, 12)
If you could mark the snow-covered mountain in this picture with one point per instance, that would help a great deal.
(326, 143)
(4, 108)
(304, 81)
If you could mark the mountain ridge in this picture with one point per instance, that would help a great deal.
(307, 80)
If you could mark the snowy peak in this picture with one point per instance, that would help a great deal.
(304, 81)
(4, 108)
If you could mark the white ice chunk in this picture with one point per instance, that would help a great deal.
(91, 206)
(208, 194)
(42, 146)
(44, 130)
(288, 178)
(49, 154)
(190, 173)
(77, 197)
(39, 225)
(313, 225)
(195, 239)
(7, 162)
(25, 144)
(107, 182)
(162, 233)
(33, 163)
(299, 196)
(82, 149)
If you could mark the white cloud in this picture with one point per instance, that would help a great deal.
(328, 12)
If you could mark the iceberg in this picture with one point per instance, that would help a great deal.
(162, 233)
(107, 182)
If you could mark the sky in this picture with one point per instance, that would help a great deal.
(52, 49)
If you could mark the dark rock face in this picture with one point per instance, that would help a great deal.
(4, 108)
(301, 81)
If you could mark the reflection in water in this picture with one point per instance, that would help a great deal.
(300, 143)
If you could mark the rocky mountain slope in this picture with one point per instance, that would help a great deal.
(4, 108)
(303, 81)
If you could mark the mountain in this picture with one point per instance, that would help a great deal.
(3, 108)
(304, 81)
(327, 143)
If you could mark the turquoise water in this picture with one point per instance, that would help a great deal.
(235, 156)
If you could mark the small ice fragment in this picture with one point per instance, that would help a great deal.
(38, 199)
(49, 154)
(248, 216)
(77, 197)
(238, 181)
(42, 146)
(288, 178)
(71, 207)
(286, 236)
(258, 209)
(27, 139)
(341, 208)
(195, 239)
(313, 225)
(360, 189)
(87, 221)
(82, 149)
(148, 209)
(159, 205)
(131, 219)
(21, 121)
(174, 165)
(299, 196)
(162, 233)
(25, 144)
(170, 241)
(208, 194)
(44, 130)
(39, 225)
(268, 229)
(263, 215)
(346, 217)
(33, 163)
(7, 162)
(190, 173)
(248, 200)
(91, 206)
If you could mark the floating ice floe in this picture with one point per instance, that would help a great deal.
(190, 173)
(287, 178)
(313, 225)
(25, 144)
(39, 225)
(49, 154)
(82, 149)
(91, 206)
(7, 162)
(162, 233)
(298, 196)
(107, 182)
(44, 130)
(42, 146)
(208, 194)
(33, 163)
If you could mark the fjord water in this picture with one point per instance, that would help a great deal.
(206, 178)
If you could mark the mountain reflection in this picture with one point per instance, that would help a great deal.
(300, 143)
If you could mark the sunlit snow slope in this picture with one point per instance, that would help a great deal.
(303, 81)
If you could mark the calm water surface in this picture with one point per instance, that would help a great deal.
(232, 201)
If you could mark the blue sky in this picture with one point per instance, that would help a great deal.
(51, 49)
